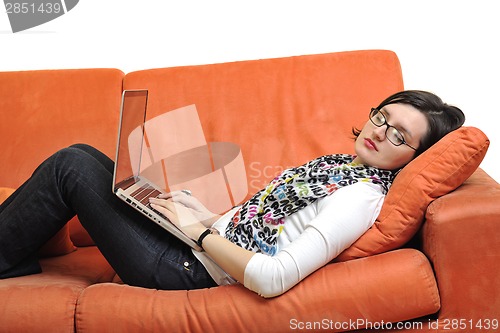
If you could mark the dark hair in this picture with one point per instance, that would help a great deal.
(442, 118)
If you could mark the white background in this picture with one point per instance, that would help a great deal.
(449, 47)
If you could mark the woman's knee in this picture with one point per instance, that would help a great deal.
(84, 147)
(72, 165)
(70, 157)
(96, 154)
(72, 151)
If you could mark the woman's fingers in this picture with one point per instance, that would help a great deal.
(182, 198)
(178, 213)
(174, 194)
(162, 204)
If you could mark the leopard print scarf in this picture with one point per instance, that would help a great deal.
(257, 224)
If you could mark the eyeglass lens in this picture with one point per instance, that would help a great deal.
(392, 133)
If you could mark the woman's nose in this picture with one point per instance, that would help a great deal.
(380, 132)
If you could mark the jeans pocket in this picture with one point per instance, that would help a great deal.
(180, 269)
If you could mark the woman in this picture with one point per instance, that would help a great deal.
(302, 220)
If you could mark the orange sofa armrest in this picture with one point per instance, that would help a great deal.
(461, 237)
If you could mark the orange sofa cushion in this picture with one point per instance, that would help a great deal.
(438, 171)
(47, 302)
(336, 292)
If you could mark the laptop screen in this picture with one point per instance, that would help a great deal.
(130, 136)
(169, 152)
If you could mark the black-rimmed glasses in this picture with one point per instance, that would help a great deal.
(392, 133)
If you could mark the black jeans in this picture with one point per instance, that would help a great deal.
(77, 181)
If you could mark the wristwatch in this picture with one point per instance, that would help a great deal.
(209, 231)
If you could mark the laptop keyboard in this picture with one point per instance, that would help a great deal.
(143, 194)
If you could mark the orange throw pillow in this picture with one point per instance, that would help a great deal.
(438, 171)
(58, 245)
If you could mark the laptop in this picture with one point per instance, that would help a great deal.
(129, 184)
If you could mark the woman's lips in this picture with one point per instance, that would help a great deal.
(370, 144)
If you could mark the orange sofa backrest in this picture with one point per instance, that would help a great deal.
(281, 112)
(43, 111)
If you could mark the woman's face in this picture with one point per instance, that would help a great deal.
(372, 146)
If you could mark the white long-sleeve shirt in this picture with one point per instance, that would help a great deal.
(312, 237)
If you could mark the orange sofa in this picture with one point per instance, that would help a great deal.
(437, 275)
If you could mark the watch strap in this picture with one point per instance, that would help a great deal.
(202, 237)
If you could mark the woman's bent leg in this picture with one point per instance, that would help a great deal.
(77, 180)
(28, 219)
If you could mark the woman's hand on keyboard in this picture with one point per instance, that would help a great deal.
(183, 209)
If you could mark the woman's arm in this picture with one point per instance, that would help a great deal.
(193, 219)
(232, 258)
(340, 219)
